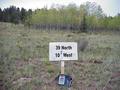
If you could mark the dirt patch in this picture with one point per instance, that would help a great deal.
(21, 81)
(1, 85)
(114, 82)
(21, 63)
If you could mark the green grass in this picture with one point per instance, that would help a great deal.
(24, 54)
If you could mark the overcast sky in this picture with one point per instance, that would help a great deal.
(110, 7)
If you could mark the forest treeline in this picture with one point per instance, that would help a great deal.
(71, 17)
(14, 14)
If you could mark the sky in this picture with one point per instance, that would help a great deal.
(110, 7)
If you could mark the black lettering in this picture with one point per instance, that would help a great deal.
(67, 55)
(63, 47)
(66, 47)
(57, 47)
(57, 54)
(69, 47)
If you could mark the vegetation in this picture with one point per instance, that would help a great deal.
(25, 66)
(87, 16)
(14, 14)
(24, 47)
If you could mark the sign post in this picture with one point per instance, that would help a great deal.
(63, 51)
(62, 67)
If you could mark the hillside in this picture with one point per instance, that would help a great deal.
(24, 59)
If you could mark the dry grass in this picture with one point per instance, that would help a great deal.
(25, 66)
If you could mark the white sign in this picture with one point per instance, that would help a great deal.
(63, 51)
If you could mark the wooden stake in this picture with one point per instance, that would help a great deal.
(62, 67)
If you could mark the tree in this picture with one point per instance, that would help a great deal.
(82, 18)
(87, 16)
(1, 14)
(93, 9)
(14, 14)
(28, 18)
(11, 14)
(23, 15)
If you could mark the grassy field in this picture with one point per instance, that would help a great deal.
(24, 59)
